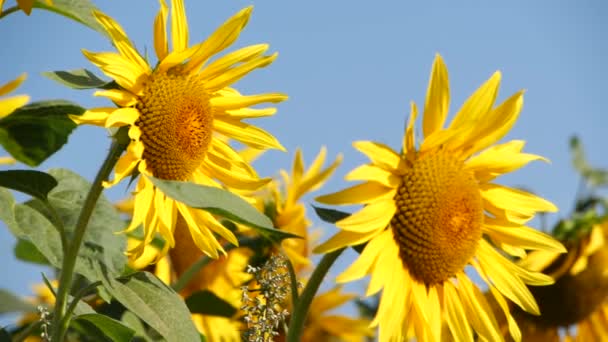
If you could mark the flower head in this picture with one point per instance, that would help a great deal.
(433, 209)
(175, 112)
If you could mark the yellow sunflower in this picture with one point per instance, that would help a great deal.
(321, 325)
(290, 211)
(432, 209)
(175, 111)
(577, 302)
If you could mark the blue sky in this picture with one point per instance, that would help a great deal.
(351, 69)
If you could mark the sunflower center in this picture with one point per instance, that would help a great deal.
(439, 217)
(176, 122)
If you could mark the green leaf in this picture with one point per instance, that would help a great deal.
(154, 302)
(78, 79)
(595, 176)
(31, 182)
(223, 203)
(12, 303)
(330, 215)
(111, 328)
(5, 336)
(34, 132)
(133, 322)
(28, 222)
(28, 252)
(78, 10)
(208, 303)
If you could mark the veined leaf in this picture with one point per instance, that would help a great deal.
(221, 202)
(35, 131)
(111, 328)
(208, 303)
(34, 183)
(78, 79)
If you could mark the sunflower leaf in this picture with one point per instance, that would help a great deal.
(34, 132)
(78, 10)
(78, 79)
(223, 203)
(12, 303)
(154, 302)
(30, 222)
(330, 215)
(26, 251)
(34, 183)
(208, 303)
(109, 327)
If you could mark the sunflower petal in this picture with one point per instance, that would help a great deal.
(161, 45)
(379, 154)
(239, 102)
(374, 216)
(500, 159)
(437, 98)
(179, 26)
(224, 63)
(9, 105)
(521, 203)
(12, 85)
(367, 192)
(125, 72)
(344, 239)
(120, 97)
(247, 134)
(479, 104)
(364, 263)
(521, 236)
(455, 313)
(122, 117)
(95, 116)
(370, 172)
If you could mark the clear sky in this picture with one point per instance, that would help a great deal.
(350, 69)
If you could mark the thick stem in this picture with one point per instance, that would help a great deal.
(298, 317)
(59, 324)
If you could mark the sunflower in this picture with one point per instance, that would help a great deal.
(577, 302)
(175, 112)
(290, 212)
(323, 326)
(432, 209)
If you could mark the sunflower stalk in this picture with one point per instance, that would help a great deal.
(8, 11)
(298, 317)
(61, 320)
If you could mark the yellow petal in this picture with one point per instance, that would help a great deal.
(504, 306)
(26, 5)
(478, 312)
(179, 26)
(379, 154)
(95, 116)
(12, 85)
(246, 113)
(370, 172)
(120, 97)
(479, 104)
(236, 73)
(314, 178)
(217, 168)
(222, 64)
(161, 46)
(7, 161)
(223, 37)
(507, 283)
(437, 98)
(122, 117)
(374, 216)
(500, 159)
(515, 201)
(247, 134)
(455, 314)
(201, 236)
(497, 123)
(238, 102)
(367, 192)
(125, 72)
(409, 142)
(344, 239)
(521, 236)
(121, 41)
(213, 224)
(9, 105)
(363, 264)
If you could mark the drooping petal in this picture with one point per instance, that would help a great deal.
(437, 98)
(9, 105)
(125, 72)
(247, 134)
(120, 97)
(94, 116)
(521, 236)
(515, 201)
(363, 264)
(122, 117)
(12, 85)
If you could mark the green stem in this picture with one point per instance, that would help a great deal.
(294, 282)
(298, 317)
(60, 324)
(193, 270)
(9, 11)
